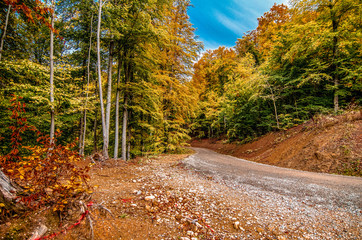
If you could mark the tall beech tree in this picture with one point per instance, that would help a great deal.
(4, 31)
(83, 134)
(99, 68)
(51, 59)
(269, 27)
(178, 50)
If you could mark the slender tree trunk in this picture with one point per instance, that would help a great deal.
(81, 120)
(334, 69)
(335, 24)
(335, 100)
(52, 114)
(95, 148)
(127, 70)
(129, 138)
(116, 134)
(142, 137)
(129, 145)
(87, 93)
(4, 32)
(275, 106)
(104, 128)
(275, 111)
(109, 89)
(335, 75)
(81, 123)
(124, 128)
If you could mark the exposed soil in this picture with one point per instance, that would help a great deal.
(159, 199)
(326, 144)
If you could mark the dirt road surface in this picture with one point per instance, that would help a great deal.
(207, 196)
(320, 190)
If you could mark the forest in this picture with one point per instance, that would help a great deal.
(129, 78)
(125, 78)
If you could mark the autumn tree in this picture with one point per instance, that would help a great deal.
(51, 59)
(177, 50)
(99, 69)
(247, 44)
(212, 72)
(269, 28)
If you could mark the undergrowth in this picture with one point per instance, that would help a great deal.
(47, 173)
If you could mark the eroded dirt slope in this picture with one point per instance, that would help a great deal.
(325, 144)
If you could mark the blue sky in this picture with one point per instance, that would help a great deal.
(222, 22)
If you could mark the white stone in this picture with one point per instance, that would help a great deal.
(236, 225)
(149, 198)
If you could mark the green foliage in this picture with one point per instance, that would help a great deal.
(31, 81)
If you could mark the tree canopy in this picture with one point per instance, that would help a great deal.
(139, 61)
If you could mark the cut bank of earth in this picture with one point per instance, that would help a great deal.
(327, 144)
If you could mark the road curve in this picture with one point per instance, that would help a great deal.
(317, 189)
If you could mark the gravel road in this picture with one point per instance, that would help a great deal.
(268, 182)
(213, 196)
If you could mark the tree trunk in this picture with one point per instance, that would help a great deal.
(127, 75)
(87, 93)
(109, 90)
(95, 148)
(129, 141)
(116, 134)
(275, 111)
(335, 24)
(124, 128)
(81, 123)
(104, 128)
(275, 106)
(52, 113)
(8, 195)
(4, 32)
(7, 189)
(335, 100)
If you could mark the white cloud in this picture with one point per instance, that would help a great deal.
(231, 23)
(257, 7)
(242, 14)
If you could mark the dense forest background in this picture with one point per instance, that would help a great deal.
(129, 77)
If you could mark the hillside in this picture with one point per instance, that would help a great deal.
(327, 144)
